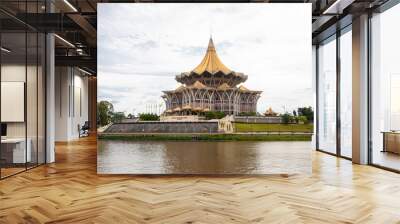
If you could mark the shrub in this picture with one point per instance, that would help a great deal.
(149, 117)
(302, 120)
(214, 115)
(286, 118)
(245, 114)
(117, 117)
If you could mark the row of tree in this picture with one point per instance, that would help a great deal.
(303, 115)
(106, 115)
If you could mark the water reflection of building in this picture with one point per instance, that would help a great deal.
(211, 86)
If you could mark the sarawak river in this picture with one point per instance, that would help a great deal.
(163, 157)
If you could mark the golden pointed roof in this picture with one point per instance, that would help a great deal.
(224, 86)
(213, 65)
(242, 88)
(198, 85)
(176, 109)
(181, 87)
(211, 62)
(186, 107)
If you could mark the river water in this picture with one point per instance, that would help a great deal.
(163, 157)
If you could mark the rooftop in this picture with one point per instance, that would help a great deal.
(211, 62)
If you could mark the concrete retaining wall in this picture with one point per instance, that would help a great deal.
(254, 119)
(164, 127)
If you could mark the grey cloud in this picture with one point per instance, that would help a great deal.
(110, 71)
(110, 94)
(224, 9)
(115, 93)
(104, 58)
(191, 50)
(222, 48)
(146, 45)
(117, 89)
(115, 102)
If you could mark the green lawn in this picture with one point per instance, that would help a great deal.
(254, 127)
(209, 137)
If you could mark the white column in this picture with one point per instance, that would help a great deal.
(63, 103)
(50, 99)
(360, 90)
(314, 88)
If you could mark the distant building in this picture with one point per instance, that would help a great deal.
(211, 86)
(270, 113)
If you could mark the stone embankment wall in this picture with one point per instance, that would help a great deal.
(258, 119)
(164, 127)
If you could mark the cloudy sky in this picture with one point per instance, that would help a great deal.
(141, 47)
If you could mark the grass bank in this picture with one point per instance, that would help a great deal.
(255, 127)
(207, 137)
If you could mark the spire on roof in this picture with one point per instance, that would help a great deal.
(211, 46)
(211, 62)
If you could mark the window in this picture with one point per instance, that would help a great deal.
(22, 88)
(327, 95)
(385, 89)
(346, 93)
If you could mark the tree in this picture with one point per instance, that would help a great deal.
(293, 119)
(302, 120)
(105, 110)
(117, 117)
(294, 113)
(286, 118)
(307, 112)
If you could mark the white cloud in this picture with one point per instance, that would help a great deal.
(141, 47)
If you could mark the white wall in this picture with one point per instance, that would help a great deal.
(10, 73)
(33, 126)
(62, 82)
(71, 102)
(17, 73)
(14, 72)
(13, 99)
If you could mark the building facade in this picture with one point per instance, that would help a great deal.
(211, 86)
